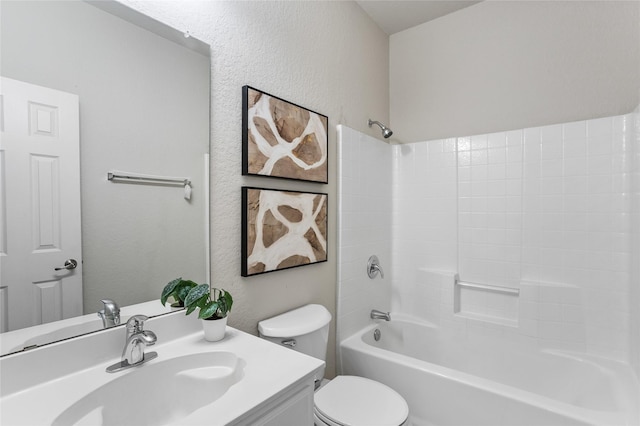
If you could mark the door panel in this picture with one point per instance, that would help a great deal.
(40, 205)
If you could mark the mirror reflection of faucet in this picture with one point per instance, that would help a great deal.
(373, 267)
(110, 315)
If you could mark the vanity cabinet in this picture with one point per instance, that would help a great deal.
(293, 407)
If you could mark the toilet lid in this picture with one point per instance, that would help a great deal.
(357, 401)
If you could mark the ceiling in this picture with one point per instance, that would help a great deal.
(398, 15)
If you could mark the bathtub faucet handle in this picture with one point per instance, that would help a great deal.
(373, 267)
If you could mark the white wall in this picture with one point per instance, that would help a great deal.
(324, 55)
(365, 227)
(424, 222)
(143, 108)
(505, 65)
(550, 212)
(634, 299)
(544, 210)
(510, 67)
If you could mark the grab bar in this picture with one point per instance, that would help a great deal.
(487, 287)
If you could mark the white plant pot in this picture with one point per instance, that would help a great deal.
(214, 329)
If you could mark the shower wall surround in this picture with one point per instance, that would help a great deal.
(634, 296)
(364, 223)
(545, 211)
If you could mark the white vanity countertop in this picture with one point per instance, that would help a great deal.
(268, 370)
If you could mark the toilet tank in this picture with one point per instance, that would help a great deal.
(305, 329)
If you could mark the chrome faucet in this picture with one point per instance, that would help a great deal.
(137, 340)
(373, 267)
(110, 315)
(376, 314)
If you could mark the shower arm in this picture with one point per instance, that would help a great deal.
(386, 132)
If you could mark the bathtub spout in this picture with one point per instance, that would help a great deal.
(376, 314)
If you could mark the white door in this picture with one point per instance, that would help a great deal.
(39, 205)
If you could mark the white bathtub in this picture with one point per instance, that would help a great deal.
(455, 383)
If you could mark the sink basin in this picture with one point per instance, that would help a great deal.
(160, 392)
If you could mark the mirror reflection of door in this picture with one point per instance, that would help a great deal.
(40, 205)
(144, 93)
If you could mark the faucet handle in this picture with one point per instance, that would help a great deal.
(135, 324)
(373, 267)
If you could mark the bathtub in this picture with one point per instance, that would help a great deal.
(447, 382)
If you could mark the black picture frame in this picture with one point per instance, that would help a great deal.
(283, 140)
(282, 229)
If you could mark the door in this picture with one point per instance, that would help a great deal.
(39, 205)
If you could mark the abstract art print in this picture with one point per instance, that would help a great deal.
(282, 229)
(281, 139)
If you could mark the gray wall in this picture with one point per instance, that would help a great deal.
(143, 108)
(502, 65)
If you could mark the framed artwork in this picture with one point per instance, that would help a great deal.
(282, 229)
(281, 139)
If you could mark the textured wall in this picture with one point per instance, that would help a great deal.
(327, 56)
(506, 65)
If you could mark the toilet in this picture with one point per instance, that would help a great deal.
(345, 400)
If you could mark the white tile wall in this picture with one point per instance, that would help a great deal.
(547, 210)
(490, 207)
(424, 198)
(576, 229)
(632, 135)
(364, 222)
(544, 208)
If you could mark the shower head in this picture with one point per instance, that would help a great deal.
(386, 132)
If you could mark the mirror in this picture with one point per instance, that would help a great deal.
(142, 93)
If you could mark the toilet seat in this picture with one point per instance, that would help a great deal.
(358, 401)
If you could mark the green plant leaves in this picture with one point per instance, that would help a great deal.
(208, 310)
(183, 289)
(190, 309)
(226, 301)
(200, 296)
(196, 294)
(178, 289)
(168, 290)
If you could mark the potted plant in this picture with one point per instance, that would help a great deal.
(178, 290)
(214, 304)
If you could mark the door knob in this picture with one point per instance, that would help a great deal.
(69, 264)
